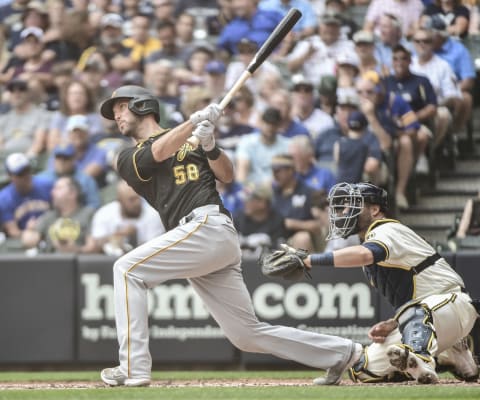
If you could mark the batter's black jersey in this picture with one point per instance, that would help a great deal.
(175, 186)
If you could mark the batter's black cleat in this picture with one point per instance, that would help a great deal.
(334, 374)
(115, 377)
(406, 361)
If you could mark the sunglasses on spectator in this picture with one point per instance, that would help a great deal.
(401, 58)
(424, 41)
(366, 91)
(305, 89)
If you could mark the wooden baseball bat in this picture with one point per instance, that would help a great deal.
(278, 34)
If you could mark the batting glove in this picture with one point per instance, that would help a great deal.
(210, 113)
(205, 134)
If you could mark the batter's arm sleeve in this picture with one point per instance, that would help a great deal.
(136, 163)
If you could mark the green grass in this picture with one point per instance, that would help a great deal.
(357, 392)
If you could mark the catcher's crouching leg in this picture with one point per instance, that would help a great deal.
(414, 354)
(374, 365)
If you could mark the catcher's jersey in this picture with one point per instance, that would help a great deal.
(403, 250)
(175, 186)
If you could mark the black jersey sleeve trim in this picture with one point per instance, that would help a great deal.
(136, 168)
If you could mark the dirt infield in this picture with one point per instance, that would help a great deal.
(203, 383)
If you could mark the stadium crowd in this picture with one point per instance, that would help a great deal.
(359, 90)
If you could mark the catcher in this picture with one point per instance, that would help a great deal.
(434, 314)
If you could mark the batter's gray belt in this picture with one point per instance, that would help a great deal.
(199, 212)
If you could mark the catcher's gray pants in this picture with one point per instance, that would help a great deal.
(205, 250)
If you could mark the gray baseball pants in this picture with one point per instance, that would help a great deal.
(204, 249)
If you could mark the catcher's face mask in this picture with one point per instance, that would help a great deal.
(345, 205)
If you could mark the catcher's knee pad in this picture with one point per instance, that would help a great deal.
(359, 372)
(415, 325)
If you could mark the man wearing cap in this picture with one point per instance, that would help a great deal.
(25, 198)
(347, 69)
(109, 44)
(391, 119)
(365, 49)
(256, 150)
(259, 224)
(31, 65)
(293, 200)
(246, 49)
(457, 56)
(25, 126)
(249, 21)
(215, 79)
(64, 165)
(347, 102)
(315, 55)
(304, 108)
(89, 158)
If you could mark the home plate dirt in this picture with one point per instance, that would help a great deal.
(202, 383)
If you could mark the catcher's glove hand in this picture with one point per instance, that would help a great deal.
(286, 263)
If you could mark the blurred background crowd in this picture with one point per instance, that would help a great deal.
(374, 90)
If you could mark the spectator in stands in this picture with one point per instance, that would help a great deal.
(308, 172)
(232, 195)
(163, 10)
(350, 151)
(246, 112)
(340, 7)
(304, 107)
(125, 223)
(65, 229)
(109, 44)
(246, 51)
(184, 29)
(467, 234)
(315, 56)
(230, 129)
(64, 165)
(407, 12)
(160, 80)
(293, 200)
(215, 78)
(89, 158)
(391, 119)
(194, 99)
(24, 128)
(418, 92)
(347, 69)
(455, 15)
(259, 224)
(365, 49)
(390, 35)
(460, 60)
(169, 50)
(444, 82)
(75, 99)
(248, 21)
(11, 14)
(194, 71)
(25, 198)
(256, 150)
(141, 43)
(306, 25)
(282, 100)
(31, 64)
(327, 94)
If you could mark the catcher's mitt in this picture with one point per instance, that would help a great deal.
(286, 263)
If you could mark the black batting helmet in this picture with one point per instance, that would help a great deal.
(141, 102)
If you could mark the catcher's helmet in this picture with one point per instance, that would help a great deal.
(346, 202)
(141, 102)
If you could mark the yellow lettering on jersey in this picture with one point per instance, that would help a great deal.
(184, 150)
(184, 173)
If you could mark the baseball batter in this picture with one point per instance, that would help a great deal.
(201, 245)
(433, 311)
